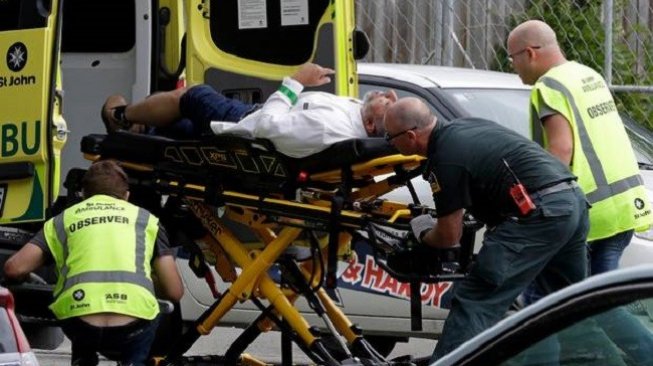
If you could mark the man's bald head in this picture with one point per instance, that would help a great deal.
(533, 32)
(408, 125)
(408, 112)
(534, 50)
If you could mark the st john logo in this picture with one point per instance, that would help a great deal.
(79, 295)
(16, 56)
(16, 60)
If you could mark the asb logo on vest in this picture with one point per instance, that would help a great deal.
(115, 297)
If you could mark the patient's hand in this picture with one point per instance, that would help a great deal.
(311, 74)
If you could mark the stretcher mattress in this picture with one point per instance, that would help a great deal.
(148, 149)
(240, 163)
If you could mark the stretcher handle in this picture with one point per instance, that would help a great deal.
(399, 213)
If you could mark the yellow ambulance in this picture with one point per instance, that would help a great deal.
(63, 58)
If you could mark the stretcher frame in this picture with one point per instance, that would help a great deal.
(342, 201)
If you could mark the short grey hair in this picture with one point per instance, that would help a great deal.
(368, 96)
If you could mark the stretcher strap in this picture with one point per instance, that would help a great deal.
(415, 305)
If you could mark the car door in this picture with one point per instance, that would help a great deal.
(31, 128)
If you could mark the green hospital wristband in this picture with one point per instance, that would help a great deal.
(289, 93)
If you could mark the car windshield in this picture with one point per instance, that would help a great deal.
(504, 106)
(619, 336)
(507, 107)
(641, 139)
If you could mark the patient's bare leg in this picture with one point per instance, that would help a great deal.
(157, 110)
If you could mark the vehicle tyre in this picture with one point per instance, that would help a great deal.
(36, 319)
(43, 337)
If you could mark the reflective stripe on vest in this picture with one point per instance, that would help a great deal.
(137, 278)
(60, 230)
(603, 189)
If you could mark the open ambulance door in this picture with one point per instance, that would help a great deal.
(32, 131)
(243, 48)
(106, 49)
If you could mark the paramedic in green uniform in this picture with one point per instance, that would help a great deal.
(472, 165)
(106, 251)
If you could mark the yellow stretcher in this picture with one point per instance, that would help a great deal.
(285, 202)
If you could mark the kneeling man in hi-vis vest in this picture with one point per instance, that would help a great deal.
(105, 250)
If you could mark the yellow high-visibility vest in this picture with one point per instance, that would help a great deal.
(102, 248)
(603, 158)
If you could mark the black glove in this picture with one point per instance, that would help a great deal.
(421, 225)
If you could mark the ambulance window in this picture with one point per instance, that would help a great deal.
(23, 14)
(257, 30)
(106, 26)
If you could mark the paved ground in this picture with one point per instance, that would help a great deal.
(266, 347)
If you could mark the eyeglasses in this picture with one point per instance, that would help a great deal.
(388, 137)
(511, 57)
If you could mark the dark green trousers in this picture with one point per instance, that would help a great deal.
(548, 246)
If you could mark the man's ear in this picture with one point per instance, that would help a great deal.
(126, 196)
(412, 135)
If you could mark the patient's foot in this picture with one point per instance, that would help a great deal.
(113, 114)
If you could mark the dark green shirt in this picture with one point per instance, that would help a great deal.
(466, 169)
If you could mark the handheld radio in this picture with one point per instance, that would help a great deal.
(519, 194)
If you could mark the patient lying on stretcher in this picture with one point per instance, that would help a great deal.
(298, 124)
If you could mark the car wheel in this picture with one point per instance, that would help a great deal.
(43, 337)
(37, 321)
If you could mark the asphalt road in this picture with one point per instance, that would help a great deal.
(266, 347)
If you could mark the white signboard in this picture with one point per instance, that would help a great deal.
(294, 12)
(252, 14)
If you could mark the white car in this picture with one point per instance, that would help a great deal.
(369, 296)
